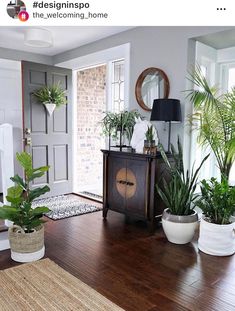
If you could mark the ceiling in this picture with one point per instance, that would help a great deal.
(65, 38)
(219, 40)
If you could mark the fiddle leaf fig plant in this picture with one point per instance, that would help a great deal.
(21, 196)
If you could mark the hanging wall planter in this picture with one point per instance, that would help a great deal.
(51, 97)
(50, 107)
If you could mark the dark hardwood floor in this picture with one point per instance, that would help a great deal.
(135, 270)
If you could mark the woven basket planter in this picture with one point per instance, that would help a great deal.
(26, 247)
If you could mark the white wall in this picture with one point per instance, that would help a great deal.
(162, 47)
(11, 92)
(11, 102)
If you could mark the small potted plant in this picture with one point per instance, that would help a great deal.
(179, 220)
(51, 97)
(217, 232)
(26, 236)
(149, 142)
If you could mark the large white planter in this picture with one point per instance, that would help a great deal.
(179, 229)
(217, 240)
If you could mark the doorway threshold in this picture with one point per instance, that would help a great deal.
(91, 196)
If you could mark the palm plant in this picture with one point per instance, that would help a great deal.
(178, 193)
(214, 118)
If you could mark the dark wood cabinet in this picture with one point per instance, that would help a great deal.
(129, 185)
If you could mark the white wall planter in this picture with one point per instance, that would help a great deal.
(217, 240)
(179, 229)
(50, 107)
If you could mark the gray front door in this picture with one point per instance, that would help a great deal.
(51, 136)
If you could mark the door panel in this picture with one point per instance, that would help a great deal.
(136, 203)
(117, 190)
(60, 157)
(60, 117)
(38, 117)
(51, 135)
(40, 158)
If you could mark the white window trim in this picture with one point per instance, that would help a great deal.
(94, 60)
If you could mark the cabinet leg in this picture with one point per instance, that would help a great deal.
(105, 211)
(151, 226)
(127, 219)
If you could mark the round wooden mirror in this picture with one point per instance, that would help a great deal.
(152, 83)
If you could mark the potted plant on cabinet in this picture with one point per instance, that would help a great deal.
(149, 142)
(51, 97)
(217, 232)
(26, 236)
(122, 123)
(179, 220)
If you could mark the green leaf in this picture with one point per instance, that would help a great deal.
(35, 193)
(36, 175)
(14, 201)
(18, 180)
(14, 192)
(41, 169)
(40, 210)
(8, 212)
(25, 161)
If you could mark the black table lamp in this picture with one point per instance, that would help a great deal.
(168, 110)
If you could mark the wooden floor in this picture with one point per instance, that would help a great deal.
(135, 270)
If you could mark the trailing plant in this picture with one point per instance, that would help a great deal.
(123, 121)
(177, 193)
(20, 196)
(52, 94)
(217, 201)
(214, 118)
(149, 133)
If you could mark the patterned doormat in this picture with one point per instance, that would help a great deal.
(65, 206)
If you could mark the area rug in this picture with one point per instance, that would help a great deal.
(43, 285)
(65, 206)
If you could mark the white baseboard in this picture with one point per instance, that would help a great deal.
(4, 242)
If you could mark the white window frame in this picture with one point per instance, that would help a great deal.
(93, 60)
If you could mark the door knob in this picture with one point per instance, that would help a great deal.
(27, 131)
(28, 141)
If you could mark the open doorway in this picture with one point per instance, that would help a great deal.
(91, 103)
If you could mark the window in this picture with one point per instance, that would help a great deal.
(210, 168)
(117, 86)
(230, 72)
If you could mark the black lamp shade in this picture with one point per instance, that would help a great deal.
(166, 109)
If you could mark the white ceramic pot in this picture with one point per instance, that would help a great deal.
(50, 107)
(179, 229)
(217, 240)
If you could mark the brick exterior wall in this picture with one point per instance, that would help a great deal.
(91, 102)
